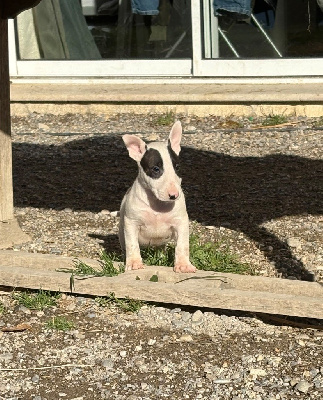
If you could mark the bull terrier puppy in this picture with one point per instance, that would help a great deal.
(153, 211)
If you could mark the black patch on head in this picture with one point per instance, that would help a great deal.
(174, 157)
(152, 163)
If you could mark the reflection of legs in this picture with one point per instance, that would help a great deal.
(161, 22)
(279, 30)
(124, 32)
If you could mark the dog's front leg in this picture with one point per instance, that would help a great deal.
(182, 249)
(131, 233)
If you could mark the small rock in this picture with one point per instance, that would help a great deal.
(152, 137)
(186, 338)
(222, 381)
(81, 301)
(257, 372)
(197, 316)
(42, 126)
(186, 316)
(294, 242)
(123, 353)
(105, 212)
(303, 386)
(25, 310)
(35, 379)
(151, 342)
(71, 307)
(109, 364)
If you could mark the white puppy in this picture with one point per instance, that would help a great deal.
(153, 211)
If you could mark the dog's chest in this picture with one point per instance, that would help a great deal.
(156, 228)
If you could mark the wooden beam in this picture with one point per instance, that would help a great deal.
(6, 188)
(202, 289)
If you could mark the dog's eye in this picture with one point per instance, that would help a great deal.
(156, 169)
(176, 167)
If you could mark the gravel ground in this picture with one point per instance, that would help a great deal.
(257, 190)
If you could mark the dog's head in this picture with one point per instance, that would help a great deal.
(158, 163)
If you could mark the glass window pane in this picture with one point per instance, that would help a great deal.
(105, 29)
(262, 28)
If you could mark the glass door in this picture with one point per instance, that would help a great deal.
(168, 38)
(257, 38)
(103, 38)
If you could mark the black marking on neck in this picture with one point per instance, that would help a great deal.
(152, 164)
(174, 157)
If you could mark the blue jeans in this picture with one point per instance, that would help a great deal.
(241, 8)
(145, 7)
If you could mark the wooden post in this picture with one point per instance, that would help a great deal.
(6, 189)
(10, 232)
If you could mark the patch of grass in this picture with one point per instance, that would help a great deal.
(106, 266)
(165, 119)
(318, 123)
(126, 304)
(2, 308)
(159, 256)
(209, 257)
(276, 119)
(60, 324)
(36, 300)
(204, 256)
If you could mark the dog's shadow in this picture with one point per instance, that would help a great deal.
(221, 190)
(110, 242)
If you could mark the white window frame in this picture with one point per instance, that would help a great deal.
(196, 67)
(94, 68)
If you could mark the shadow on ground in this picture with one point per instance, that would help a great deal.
(239, 192)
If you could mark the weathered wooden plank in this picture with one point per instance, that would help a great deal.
(6, 191)
(203, 289)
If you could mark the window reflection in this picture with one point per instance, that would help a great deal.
(263, 28)
(108, 29)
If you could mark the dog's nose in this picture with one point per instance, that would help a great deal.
(173, 196)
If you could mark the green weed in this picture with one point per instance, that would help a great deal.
(106, 266)
(60, 324)
(159, 256)
(165, 119)
(205, 256)
(126, 304)
(318, 123)
(36, 300)
(209, 257)
(272, 120)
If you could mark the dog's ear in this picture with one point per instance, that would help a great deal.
(135, 146)
(175, 137)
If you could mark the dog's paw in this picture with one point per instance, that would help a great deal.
(134, 264)
(184, 267)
